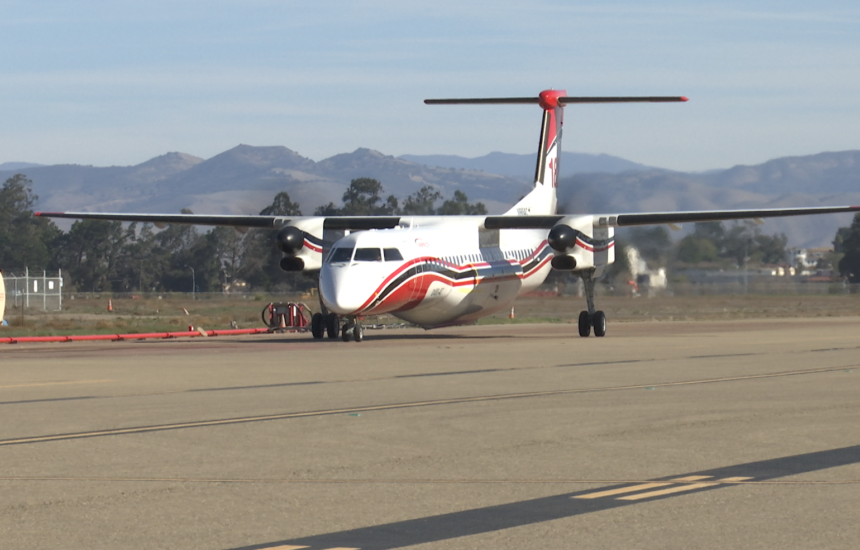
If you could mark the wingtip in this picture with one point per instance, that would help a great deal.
(684, 98)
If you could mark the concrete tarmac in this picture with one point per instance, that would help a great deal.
(659, 436)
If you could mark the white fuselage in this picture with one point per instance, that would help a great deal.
(433, 275)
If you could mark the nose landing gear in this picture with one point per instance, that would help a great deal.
(591, 318)
(352, 328)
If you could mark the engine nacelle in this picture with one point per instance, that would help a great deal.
(290, 240)
(579, 245)
(302, 244)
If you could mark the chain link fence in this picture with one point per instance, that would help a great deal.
(34, 290)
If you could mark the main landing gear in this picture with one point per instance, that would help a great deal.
(325, 324)
(591, 318)
(328, 324)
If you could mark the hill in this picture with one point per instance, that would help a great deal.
(245, 179)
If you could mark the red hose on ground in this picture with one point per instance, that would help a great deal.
(120, 337)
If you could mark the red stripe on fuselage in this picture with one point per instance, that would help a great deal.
(585, 246)
(313, 247)
(413, 291)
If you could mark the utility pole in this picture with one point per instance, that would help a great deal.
(193, 283)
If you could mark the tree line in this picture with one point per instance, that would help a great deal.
(98, 256)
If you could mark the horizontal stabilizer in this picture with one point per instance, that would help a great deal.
(564, 100)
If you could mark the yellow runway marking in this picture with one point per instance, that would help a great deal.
(671, 490)
(681, 484)
(622, 490)
(408, 405)
(68, 383)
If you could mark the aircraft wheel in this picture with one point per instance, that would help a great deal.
(599, 321)
(332, 325)
(317, 325)
(584, 324)
(344, 333)
(358, 332)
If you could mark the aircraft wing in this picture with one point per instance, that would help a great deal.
(658, 218)
(490, 222)
(160, 220)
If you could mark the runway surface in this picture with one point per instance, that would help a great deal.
(661, 435)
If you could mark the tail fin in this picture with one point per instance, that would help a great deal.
(542, 199)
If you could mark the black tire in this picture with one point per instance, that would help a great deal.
(332, 325)
(344, 333)
(317, 325)
(599, 322)
(584, 324)
(358, 332)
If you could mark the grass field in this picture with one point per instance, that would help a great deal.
(90, 315)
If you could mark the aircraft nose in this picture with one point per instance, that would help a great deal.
(337, 294)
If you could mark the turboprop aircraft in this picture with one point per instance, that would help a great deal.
(437, 271)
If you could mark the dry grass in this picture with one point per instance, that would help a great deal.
(89, 315)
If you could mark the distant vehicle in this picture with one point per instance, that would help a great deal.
(451, 270)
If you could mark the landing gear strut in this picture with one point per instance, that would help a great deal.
(352, 328)
(591, 318)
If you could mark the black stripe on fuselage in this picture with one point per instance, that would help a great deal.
(457, 273)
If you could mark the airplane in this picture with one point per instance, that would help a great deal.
(436, 271)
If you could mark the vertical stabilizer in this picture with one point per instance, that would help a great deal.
(549, 151)
(541, 201)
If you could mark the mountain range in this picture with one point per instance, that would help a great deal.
(245, 179)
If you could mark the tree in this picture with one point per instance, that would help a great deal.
(361, 198)
(740, 243)
(282, 205)
(459, 206)
(94, 253)
(421, 203)
(25, 240)
(849, 265)
(694, 250)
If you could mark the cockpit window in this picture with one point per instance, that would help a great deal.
(340, 255)
(368, 255)
(392, 255)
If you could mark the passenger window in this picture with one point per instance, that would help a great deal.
(340, 255)
(368, 255)
(393, 255)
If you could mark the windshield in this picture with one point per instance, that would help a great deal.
(392, 255)
(368, 255)
(340, 255)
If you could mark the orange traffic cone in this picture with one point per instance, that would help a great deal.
(283, 321)
(110, 305)
(511, 316)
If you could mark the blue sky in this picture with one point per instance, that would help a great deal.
(118, 82)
